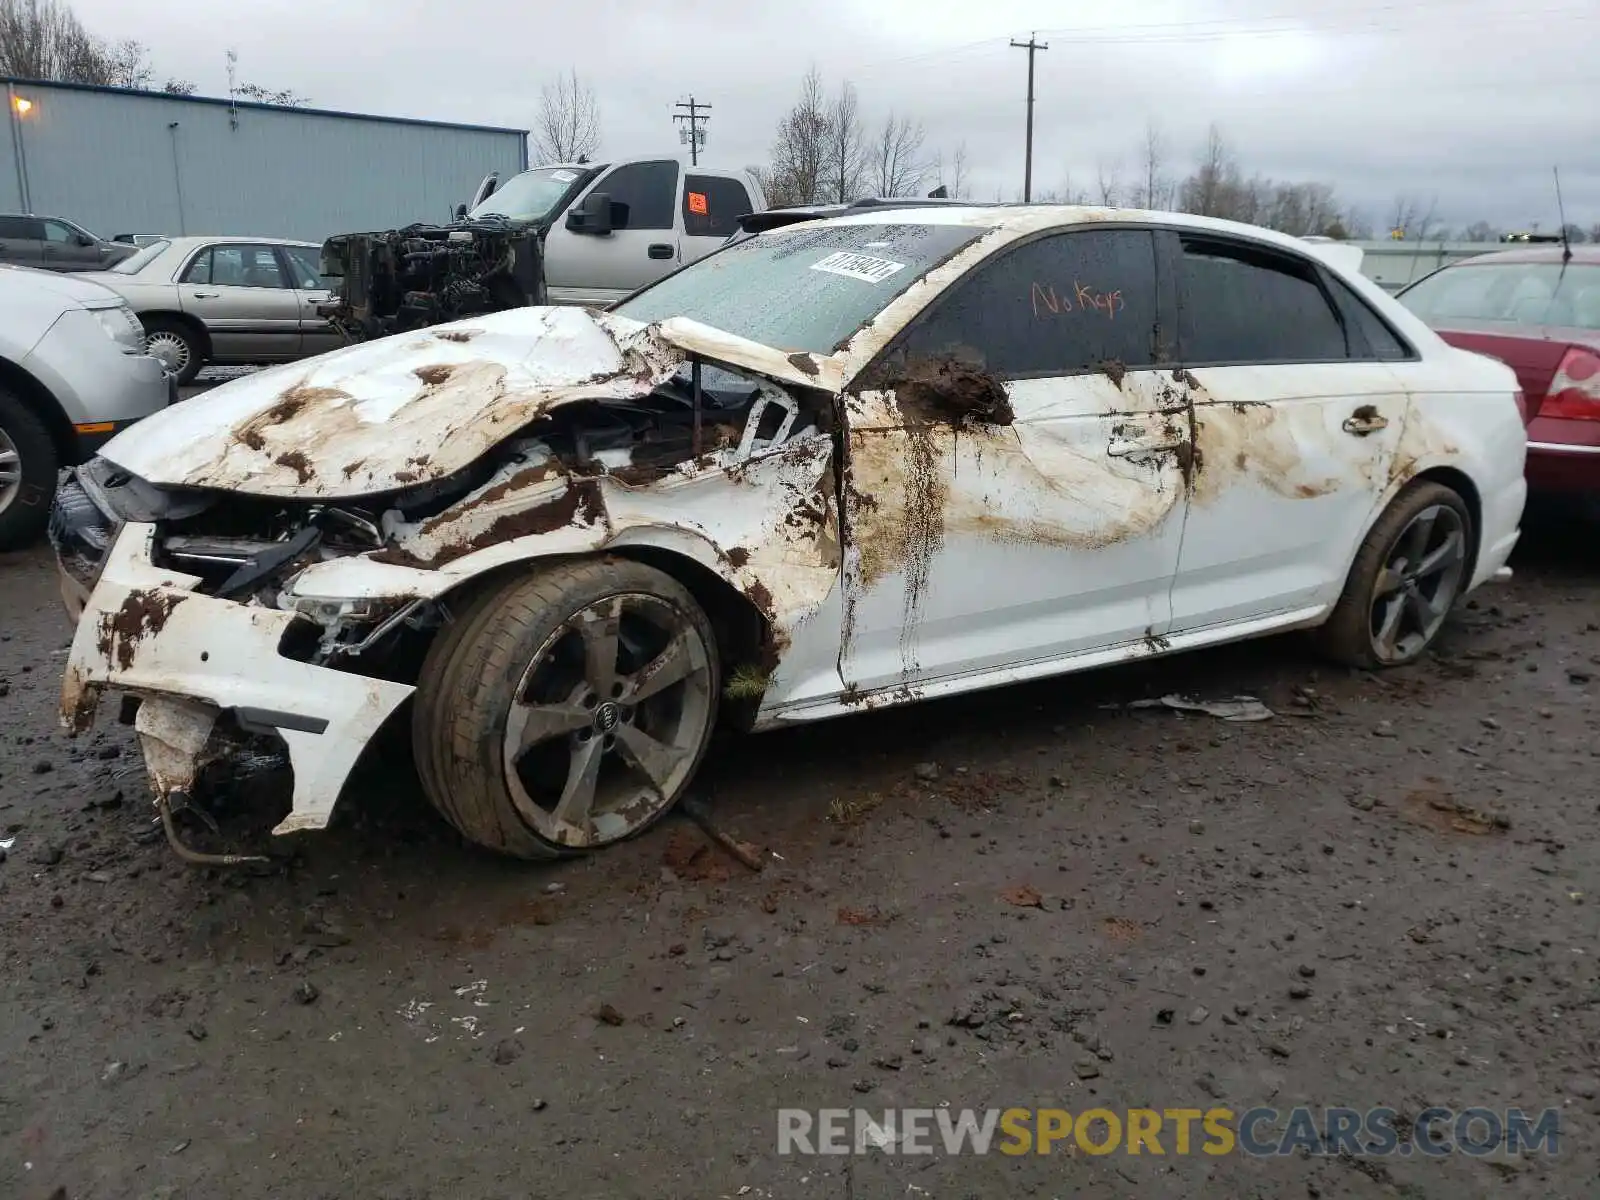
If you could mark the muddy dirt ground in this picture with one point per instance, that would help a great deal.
(1387, 895)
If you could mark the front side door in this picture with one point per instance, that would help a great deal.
(22, 241)
(1297, 415)
(317, 334)
(712, 206)
(67, 248)
(641, 247)
(981, 540)
(242, 294)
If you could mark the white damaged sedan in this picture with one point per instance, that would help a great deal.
(843, 464)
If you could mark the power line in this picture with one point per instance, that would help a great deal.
(1032, 46)
(696, 135)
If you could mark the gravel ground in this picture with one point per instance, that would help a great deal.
(1034, 897)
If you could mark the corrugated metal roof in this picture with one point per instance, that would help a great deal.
(226, 102)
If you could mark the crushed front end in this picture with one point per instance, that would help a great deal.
(426, 275)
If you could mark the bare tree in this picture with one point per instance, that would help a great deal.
(1594, 232)
(1413, 218)
(1574, 233)
(898, 168)
(1155, 190)
(799, 152)
(1207, 191)
(286, 98)
(567, 127)
(178, 87)
(1109, 181)
(1480, 231)
(43, 39)
(1066, 193)
(845, 147)
(954, 179)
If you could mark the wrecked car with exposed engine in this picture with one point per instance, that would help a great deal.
(851, 463)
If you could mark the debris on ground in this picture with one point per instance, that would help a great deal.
(1233, 708)
(749, 855)
(1023, 897)
(608, 1015)
(1436, 808)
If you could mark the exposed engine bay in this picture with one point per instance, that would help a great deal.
(244, 548)
(425, 275)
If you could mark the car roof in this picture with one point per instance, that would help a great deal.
(188, 240)
(1541, 253)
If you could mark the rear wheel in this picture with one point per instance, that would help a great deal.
(567, 710)
(28, 467)
(176, 346)
(1408, 574)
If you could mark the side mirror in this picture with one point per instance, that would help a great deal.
(85, 240)
(461, 212)
(592, 215)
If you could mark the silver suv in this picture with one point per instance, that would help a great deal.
(56, 244)
(73, 372)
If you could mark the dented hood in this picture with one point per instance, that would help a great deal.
(415, 407)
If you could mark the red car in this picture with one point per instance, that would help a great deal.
(1539, 313)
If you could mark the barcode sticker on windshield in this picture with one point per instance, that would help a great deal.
(858, 266)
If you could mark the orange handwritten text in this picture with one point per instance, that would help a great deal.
(1083, 298)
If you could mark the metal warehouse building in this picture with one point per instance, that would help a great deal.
(120, 161)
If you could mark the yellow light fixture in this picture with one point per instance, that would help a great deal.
(22, 104)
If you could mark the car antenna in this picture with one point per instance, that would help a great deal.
(1561, 214)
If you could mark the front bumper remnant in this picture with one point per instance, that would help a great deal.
(191, 658)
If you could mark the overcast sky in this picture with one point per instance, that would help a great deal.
(1471, 101)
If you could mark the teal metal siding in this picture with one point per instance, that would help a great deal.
(118, 161)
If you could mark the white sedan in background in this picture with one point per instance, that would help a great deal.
(849, 463)
(225, 300)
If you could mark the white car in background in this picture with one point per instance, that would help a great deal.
(73, 372)
(845, 464)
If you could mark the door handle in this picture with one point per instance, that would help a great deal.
(660, 250)
(205, 295)
(1362, 423)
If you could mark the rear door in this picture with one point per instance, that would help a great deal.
(304, 264)
(246, 300)
(641, 247)
(1297, 415)
(65, 248)
(22, 241)
(711, 208)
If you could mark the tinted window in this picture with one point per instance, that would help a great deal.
(804, 288)
(1509, 294)
(57, 231)
(1060, 305)
(712, 205)
(645, 193)
(24, 228)
(1382, 342)
(1243, 305)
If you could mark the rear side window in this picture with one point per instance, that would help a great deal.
(1382, 342)
(712, 205)
(645, 193)
(1238, 304)
(27, 229)
(1061, 305)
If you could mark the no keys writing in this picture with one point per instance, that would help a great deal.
(1082, 298)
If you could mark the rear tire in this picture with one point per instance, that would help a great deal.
(28, 467)
(1409, 572)
(566, 710)
(176, 345)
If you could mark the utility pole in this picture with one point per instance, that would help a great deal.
(694, 134)
(1033, 45)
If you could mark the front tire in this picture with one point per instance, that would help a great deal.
(1409, 572)
(176, 346)
(567, 710)
(28, 465)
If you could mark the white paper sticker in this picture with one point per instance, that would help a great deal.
(563, 176)
(858, 266)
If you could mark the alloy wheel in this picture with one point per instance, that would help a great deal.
(170, 350)
(10, 472)
(607, 721)
(1419, 582)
